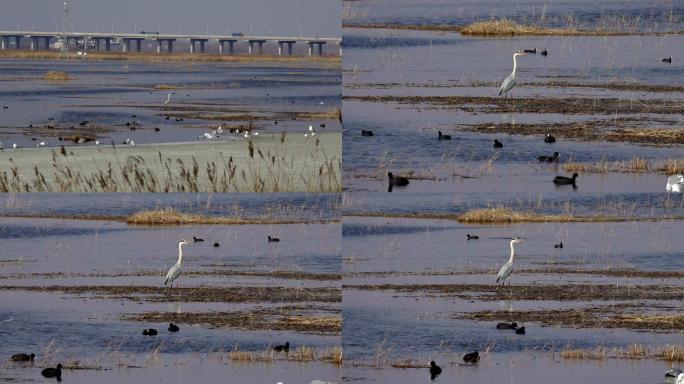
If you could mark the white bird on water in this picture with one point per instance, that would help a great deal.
(509, 82)
(507, 268)
(175, 271)
(15, 146)
(675, 183)
(168, 98)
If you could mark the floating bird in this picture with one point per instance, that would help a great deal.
(282, 348)
(216, 244)
(168, 98)
(472, 357)
(667, 60)
(672, 375)
(562, 180)
(509, 82)
(173, 327)
(167, 117)
(149, 332)
(435, 370)
(443, 137)
(197, 239)
(53, 372)
(549, 159)
(532, 51)
(97, 142)
(398, 181)
(134, 117)
(23, 357)
(219, 130)
(473, 237)
(179, 119)
(205, 135)
(15, 146)
(131, 143)
(156, 129)
(544, 52)
(520, 331)
(507, 326)
(497, 144)
(175, 271)
(549, 139)
(366, 133)
(559, 245)
(5, 107)
(675, 183)
(312, 131)
(83, 123)
(41, 144)
(507, 268)
(273, 239)
(322, 125)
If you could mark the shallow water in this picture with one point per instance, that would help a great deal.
(109, 93)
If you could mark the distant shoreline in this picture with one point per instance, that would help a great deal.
(330, 61)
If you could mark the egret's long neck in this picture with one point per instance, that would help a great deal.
(512, 252)
(515, 67)
(180, 252)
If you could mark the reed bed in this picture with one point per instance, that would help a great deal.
(272, 166)
(300, 354)
(505, 215)
(634, 165)
(669, 353)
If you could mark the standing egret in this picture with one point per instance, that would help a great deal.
(509, 82)
(168, 98)
(675, 183)
(507, 268)
(175, 271)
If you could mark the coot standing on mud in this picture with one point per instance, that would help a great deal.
(23, 357)
(435, 370)
(472, 357)
(562, 180)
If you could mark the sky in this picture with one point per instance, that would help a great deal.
(262, 17)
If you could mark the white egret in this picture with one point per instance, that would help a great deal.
(15, 146)
(97, 142)
(168, 98)
(509, 82)
(507, 268)
(246, 134)
(675, 183)
(175, 271)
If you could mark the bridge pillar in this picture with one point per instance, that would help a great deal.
(281, 45)
(169, 44)
(17, 42)
(47, 42)
(126, 46)
(108, 44)
(35, 42)
(231, 45)
(260, 46)
(4, 42)
(138, 45)
(201, 44)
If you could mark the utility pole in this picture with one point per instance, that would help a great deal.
(65, 31)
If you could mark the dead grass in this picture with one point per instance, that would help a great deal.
(503, 215)
(300, 354)
(670, 353)
(56, 76)
(506, 27)
(170, 216)
(634, 165)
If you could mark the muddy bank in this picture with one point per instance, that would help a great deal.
(569, 292)
(635, 317)
(547, 271)
(196, 294)
(571, 106)
(600, 130)
(627, 87)
(288, 275)
(531, 217)
(290, 318)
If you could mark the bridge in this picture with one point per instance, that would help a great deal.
(133, 42)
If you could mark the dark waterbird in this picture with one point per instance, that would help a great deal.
(179, 119)
(322, 125)
(544, 52)
(549, 139)
(497, 144)
(173, 327)
(398, 181)
(197, 239)
(156, 129)
(62, 150)
(282, 348)
(23, 357)
(472, 357)
(5, 107)
(84, 123)
(53, 372)
(216, 244)
(562, 180)
(549, 159)
(559, 245)
(443, 137)
(507, 326)
(667, 60)
(366, 133)
(273, 239)
(473, 237)
(435, 370)
(520, 331)
(532, 51)
(149, 332)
